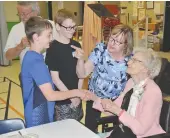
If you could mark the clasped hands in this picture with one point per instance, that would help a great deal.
(109, 106)
(86, 95)
(79, 94)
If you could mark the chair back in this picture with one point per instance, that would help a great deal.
(165, 114)
(10, 125)
(163, 81)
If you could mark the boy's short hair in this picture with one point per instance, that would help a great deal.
(62, 15)
(36, 25)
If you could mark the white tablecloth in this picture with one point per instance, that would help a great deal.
(61, 129)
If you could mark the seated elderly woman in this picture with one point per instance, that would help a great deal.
(139, 105)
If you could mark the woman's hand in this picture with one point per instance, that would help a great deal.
(79, 53)
(110, 106)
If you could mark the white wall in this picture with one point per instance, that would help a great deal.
(11, 11)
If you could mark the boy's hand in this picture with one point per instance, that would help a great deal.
(84, 94)
(89, 96)
(79, 53)
(75, 102)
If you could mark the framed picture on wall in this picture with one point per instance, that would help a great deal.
(150, 4)
(141, 4)
(141, 14)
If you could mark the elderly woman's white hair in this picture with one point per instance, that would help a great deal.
(33, 4)
(152, 61)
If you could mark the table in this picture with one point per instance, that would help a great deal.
(69, 128)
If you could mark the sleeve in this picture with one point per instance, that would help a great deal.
(96, 54)
(51, 59)
(54, 32)
(40, 73)
(150, 111)
(11, 42)
(78, 45)
(75, 43)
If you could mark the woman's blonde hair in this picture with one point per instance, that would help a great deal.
(152, 61)
(127, 33)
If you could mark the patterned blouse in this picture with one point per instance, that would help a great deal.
(109, 76)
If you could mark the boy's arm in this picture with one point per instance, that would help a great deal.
(56, 80)
(76, 101)
(61, 86)
(41, 76)
(52, 95)
(80, 83)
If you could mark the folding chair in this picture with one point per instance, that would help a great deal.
(10, 125)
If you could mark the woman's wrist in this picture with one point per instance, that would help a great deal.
(117, 111)
(120, 113)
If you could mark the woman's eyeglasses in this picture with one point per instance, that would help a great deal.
(69, 28)
(115, 41)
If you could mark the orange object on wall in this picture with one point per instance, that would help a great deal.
(113, 9)
(111, 21)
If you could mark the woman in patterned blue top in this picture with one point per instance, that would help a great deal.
(108, 64)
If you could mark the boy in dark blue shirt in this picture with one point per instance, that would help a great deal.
(38, 93)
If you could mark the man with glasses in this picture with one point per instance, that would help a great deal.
(17, 43)
(62, 65)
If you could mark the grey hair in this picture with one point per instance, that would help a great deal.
(152, 61)
(33, 4)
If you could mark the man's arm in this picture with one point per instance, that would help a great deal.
(12, 53)
(61, 86)
(14, 47)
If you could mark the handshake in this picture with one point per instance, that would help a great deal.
(85, 95)
(103, 105)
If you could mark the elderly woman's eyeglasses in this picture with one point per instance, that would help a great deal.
(135, 60)
(115, 41)
(69, 28)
